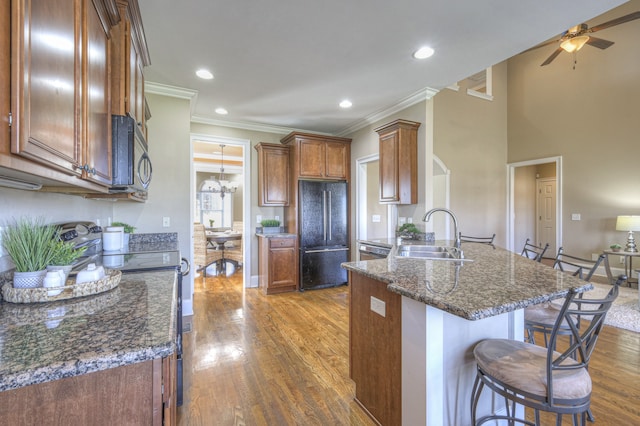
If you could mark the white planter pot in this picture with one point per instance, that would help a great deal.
(28, 279)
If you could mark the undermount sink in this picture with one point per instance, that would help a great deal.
(415, 251)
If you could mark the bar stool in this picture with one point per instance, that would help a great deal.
(541, 378)
(533, 252)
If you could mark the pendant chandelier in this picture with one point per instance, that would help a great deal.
(221, 185)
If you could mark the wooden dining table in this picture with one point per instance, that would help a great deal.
(218, 240)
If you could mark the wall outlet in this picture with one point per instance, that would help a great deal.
(409, 220)
(258, 218)
(166, 222)
(378, 306)
(276, 217)
(621, 259)
(575, 216)
(402, 221)
(375, 218)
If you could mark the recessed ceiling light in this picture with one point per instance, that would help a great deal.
(346, 104)
(221, 111)
(204, 74)
(423, 53)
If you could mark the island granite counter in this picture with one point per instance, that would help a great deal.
(421, 319)
(92, 359)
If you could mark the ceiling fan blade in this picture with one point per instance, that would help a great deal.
(541, 45)
(552, 57)
(617, 21)
(599, 42)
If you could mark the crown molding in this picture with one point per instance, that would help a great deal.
(420, 96)
(192, 95)
(267, 128)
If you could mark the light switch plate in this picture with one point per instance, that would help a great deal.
(575, 216)
(166, 222)
(375, 218)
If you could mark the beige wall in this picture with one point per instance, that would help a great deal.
(589, 116)
(470, 137)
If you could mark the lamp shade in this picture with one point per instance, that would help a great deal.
(628, 223)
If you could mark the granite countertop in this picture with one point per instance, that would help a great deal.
(495, 282)
(277, 235)
(132, 323)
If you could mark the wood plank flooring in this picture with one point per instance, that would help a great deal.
(283, 360)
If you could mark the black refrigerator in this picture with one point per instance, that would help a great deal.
(323, 233)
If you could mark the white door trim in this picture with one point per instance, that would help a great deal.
(246, 196)
(510, 197)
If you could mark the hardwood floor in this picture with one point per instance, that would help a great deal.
(283, 360)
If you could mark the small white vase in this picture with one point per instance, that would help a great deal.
(64, 268)
(31, 279)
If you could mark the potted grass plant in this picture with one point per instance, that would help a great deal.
(270, 226)
(28, 242)
(64, 254)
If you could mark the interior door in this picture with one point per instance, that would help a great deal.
(546, 215)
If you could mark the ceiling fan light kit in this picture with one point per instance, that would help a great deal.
(577, 36)
(574, 43)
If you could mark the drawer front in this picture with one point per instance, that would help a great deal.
(282, 242)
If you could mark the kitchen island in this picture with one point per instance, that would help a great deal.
(414, 323)
(102, 359)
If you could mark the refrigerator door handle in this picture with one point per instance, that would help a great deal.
(329, 216)
(326, 250)
(324, 215)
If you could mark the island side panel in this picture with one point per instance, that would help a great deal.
(375, 348)
(440, 392)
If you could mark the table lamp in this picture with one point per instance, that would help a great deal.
(629, 223)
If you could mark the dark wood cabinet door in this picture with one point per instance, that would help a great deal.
(97, 143)
(283, 267)
(46, 79)
(337, 160)
(389, 168)
(273, 174)
(399, 162)
(311, 157)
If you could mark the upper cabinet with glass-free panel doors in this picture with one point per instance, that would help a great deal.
(398, 162)
(60, 85)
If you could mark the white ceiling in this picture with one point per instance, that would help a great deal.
(288, 63)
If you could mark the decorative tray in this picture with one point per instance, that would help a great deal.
(69, 291)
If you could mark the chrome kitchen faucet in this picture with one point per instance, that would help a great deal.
(428, 214)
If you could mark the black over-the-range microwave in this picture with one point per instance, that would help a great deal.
(131, 163)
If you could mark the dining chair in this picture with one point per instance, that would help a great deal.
(203, 255)
(481, 240)
(533, 251)
(233, 253)
(542, 378)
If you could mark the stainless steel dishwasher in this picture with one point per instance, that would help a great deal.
(368, 250)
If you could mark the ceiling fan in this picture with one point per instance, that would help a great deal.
(576, 37)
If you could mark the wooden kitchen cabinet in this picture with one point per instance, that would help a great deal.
(142, 394)
(130, 56)
(319, 157)
(399, 162)
(278, 263)
(273, 174)
(60, 98)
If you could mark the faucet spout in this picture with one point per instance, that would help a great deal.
(428, 214)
